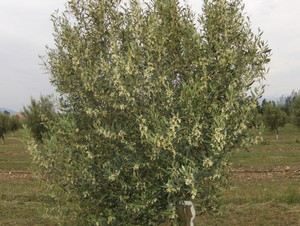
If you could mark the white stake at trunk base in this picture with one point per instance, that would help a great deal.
(186, 213)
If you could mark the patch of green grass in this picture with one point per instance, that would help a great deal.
(22, 200)
(271, 153)
(253, 214)
(20, 213)
(10, 188)
(266, 159)
(12, 154)
(14, 160)
(14, 163)
(291, 195)
(284, 191)
(264, 200)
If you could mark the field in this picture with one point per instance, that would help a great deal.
(265, 185)
(21, 196)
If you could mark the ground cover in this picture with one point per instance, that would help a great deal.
(21, 196)
(264, 185)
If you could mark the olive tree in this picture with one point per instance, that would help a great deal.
(295, 110)
(37, 116)
(4, 126)
(274, 117)
(14, 123)
(152, 104)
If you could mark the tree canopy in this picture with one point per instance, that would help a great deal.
(152, 103)
(295, 110)
(4, 125)
(38, 115)
(274, 117)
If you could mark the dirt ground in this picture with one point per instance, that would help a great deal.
(240, 173)
(257, 174)
(15, 174)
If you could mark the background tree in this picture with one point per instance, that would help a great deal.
(274, 117)
(14, 123)
(4, 126)
(38, 115)
(286, 104)
(6, 113)
(289, 103)
(295, 110)
(154, 105)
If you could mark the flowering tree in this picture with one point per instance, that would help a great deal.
(153, 105)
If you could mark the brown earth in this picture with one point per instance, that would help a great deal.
(15, 174)
(240, 173)
(263, 174)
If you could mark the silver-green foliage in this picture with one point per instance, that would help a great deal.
(154, 103)
(295, 109)
(39, 115)
(274, 117)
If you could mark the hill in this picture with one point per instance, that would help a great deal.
(12, 112)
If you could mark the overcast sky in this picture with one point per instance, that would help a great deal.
(26, 28)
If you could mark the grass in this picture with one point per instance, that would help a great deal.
(262, 192)
(266, 159)
(12, 154)
(284, 191)
(22, 201)
(265, 193)
(254, 214)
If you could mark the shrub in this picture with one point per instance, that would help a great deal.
(152, 104)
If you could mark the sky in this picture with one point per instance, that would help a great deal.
(26, 29)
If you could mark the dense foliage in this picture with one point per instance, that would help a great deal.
(38, 116)
(274, 117)
(296, 111)
(289, 104)
(152, 104)
(8, 124)
(14, 123)
(4, 125)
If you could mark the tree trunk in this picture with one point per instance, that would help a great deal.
(2, 137)
(277, 134)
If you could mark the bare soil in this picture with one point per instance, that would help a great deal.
(263, 174)
(15, 174)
